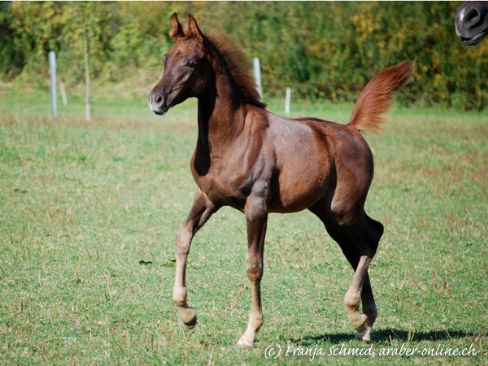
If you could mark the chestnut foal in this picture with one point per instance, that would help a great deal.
(257, 162)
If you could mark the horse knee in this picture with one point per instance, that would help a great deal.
(254, 271)
(183, 240)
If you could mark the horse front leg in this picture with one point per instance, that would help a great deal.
(256, 217)
(200, 212)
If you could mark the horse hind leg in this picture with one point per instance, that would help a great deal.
(369, 309)
(368, 233)
(359, 256)
(367, 297)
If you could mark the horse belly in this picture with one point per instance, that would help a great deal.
(300, 184)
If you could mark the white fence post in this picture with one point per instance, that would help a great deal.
(87, 78)
(257, 76)
(52, 72)
(287, 100)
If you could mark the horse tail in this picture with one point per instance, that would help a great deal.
(376, 96)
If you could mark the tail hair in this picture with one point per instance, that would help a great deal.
(376, 96)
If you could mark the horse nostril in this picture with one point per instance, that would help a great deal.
(158, 99)
(472, 14)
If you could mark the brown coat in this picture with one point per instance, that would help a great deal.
(258, 162)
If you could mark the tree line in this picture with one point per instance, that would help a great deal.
(323, 50)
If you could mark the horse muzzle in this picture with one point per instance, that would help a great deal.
(158, 103)
(471, 23)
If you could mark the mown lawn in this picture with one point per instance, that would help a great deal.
(89, 213)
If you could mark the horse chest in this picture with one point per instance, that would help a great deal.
(224, 185)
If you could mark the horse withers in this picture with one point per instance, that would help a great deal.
(258, 163)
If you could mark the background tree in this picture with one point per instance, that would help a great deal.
(322, 50)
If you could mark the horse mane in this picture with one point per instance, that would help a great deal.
(238, 66)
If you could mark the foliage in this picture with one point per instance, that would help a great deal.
(322, 50)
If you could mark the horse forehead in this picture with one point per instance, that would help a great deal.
(187, 47)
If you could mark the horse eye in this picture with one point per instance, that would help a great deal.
(191, 63)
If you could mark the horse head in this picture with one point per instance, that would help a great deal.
(185, 68)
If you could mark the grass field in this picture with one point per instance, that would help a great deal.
(89, 213)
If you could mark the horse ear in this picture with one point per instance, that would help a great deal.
(176, 29)
(194, 29)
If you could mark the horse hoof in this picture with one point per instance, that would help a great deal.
(243, 345)
(364, 334)
(188, 317)
(191, 324)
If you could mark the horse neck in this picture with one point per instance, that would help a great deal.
(221, 112)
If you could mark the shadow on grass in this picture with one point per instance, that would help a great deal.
(388, 335)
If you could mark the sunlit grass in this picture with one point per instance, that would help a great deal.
(89, 212)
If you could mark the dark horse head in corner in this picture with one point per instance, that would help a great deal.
(472, 22)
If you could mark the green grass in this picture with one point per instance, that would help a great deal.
(89, 213)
